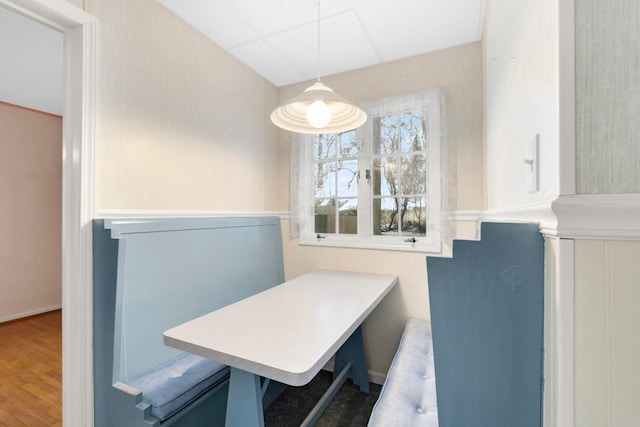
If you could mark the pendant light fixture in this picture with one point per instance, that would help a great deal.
(318, 109)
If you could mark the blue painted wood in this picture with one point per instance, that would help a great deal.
(151, 275)
(352, 351)
(487, 319)
(244, 406)
(338, 381)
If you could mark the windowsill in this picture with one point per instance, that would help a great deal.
(381, 244)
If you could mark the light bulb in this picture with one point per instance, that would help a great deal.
(318, 114)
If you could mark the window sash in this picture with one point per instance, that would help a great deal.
(435, 179)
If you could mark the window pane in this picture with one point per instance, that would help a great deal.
(348, 214)
(413, 218)
(385, 216)
(413, 131)
(348, 145)
(386, 134)
(385, 182)
(414, 175)
(325, 216)
(325, 179)
(348, 178)
(324, 147)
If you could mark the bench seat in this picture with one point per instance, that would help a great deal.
(408, 396)
(172, 386)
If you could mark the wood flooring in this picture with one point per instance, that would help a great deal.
(31, 371)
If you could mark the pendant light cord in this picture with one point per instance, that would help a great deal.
(318, 52)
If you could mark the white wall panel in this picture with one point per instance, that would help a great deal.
(521, 99)
(607, 342)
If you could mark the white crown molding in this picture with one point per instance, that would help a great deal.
(137, 213)
(598, 216)
(584, 216)
(539, 212)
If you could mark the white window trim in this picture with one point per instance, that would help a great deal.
(302, 197)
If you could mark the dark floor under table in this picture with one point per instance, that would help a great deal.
(349, 408)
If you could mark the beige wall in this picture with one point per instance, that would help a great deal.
(31, 214)
(459, 72)
(607, 342)
(607, 96)
(180, 124)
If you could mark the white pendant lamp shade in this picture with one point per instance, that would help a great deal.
(318, 110)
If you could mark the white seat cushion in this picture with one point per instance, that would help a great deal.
(408, 397)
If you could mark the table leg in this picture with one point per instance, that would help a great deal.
(353, 351)
(244, 404)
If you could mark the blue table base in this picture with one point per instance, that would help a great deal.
(244, 405)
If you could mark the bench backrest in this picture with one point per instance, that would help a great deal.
(169, 271)
(487, 313)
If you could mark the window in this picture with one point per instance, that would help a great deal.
(379, 186)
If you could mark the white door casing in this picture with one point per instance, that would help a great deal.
(79, 29)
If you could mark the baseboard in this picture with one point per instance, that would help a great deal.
(29, 313)
(377, 377)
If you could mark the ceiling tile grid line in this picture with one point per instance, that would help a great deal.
(278, 38)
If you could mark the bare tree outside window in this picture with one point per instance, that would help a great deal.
(336, 183)
(399, 165)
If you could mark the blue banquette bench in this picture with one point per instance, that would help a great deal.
(483, 348)
(151, 275)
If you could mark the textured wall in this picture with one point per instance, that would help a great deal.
(607, 96)
(31, 214)
(459, 72)
(521, 99)
(607, 342)
(180, 124)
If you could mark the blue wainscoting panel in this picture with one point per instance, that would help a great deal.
(487, 308)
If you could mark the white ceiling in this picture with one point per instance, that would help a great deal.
(32, 63)
(278, 38)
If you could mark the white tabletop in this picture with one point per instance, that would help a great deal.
(288, 332)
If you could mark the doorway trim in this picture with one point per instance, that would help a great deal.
(78, 140)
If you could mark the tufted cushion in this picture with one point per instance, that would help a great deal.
(408, 397)
(177, 383)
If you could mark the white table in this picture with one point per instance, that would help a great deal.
(287, 333)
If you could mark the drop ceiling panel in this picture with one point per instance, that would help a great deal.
(343, 45)
(215, 20)
(403, 28)
(260, 56)
(277, 38)
(274, 16)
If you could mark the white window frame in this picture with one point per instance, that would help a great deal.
(432, 101)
